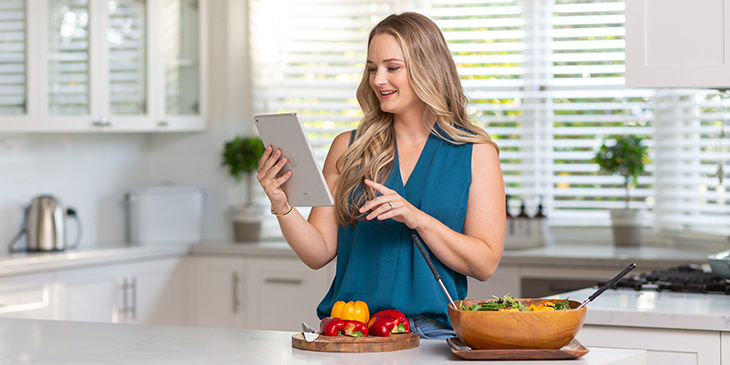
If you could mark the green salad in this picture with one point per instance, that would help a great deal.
(508, 303)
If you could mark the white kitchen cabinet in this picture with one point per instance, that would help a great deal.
(107, 66)
(725, 345)
(663, 346)
(28, 296)
(257, 292)
(218, 292)
(160, 292)
(282, 293)
(97, 294)
(678, 43)
(149, 292)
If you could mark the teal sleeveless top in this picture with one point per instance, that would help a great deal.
(377, 261)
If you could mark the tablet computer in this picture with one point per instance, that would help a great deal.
(306, 187)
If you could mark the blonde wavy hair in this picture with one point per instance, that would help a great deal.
(432, 74)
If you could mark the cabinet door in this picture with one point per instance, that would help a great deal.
(28, 296)
(97, 294)
(182, 63)
(677, 43)
(18, 53)
(103, 66)
(218, 292)
(664, 346)
(283, 292)
(149, 292)
(158, 292)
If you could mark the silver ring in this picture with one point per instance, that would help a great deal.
(391, 205)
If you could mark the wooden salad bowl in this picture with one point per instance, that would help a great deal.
(517, 329)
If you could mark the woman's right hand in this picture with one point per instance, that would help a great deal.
(267, 175)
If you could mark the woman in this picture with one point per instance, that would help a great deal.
(415, 164)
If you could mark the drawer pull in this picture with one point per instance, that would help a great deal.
(236, 301)
(284, 281)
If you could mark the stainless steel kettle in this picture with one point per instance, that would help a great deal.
(45, 226)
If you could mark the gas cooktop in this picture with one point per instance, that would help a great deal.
(684, 278)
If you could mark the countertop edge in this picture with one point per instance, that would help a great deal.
(558, 256)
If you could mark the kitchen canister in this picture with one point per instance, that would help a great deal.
(165, 214)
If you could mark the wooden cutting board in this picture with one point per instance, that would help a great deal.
(395, 342)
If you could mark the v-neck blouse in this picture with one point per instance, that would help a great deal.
(378, 263)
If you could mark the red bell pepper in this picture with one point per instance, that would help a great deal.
(399, 316)
(331, 326)
(386, 322)
(336, 327)
(355, 328)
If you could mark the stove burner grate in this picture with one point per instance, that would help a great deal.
(684, 278)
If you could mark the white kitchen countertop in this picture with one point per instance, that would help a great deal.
(71, 343)
(555, 256)
(651, 309)
(33, 262)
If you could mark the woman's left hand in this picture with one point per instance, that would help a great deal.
(390, 205)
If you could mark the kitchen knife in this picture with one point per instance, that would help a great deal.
(309, 333)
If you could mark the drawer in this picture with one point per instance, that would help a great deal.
(27, 296)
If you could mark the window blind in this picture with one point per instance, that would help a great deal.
(544, 78)
(13, 88)
(308, 57)
(691, 144)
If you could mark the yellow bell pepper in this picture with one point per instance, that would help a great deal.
(354, 311)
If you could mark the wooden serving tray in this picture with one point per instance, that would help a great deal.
(573, 350)
(396, 342)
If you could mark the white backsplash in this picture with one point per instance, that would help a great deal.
(92, 172)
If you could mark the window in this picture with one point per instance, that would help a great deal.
(544, 78)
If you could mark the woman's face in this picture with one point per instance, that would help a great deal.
(389, 76)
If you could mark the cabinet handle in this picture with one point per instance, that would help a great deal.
(236, 302)
(101, 122)
(133, 306)
(162, 123)
(124, 309)
(285, 281)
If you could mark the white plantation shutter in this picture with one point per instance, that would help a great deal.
(308, 57)
(546, 81)
(544, 78)
(13, 57)
(691, 159)
(588, 104)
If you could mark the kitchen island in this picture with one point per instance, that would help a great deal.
(674, 328)
(65, 343)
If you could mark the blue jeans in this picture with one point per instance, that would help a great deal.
(429, 328)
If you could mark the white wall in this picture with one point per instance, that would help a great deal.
(92, 172)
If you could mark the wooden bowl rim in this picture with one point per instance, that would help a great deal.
(573, 304)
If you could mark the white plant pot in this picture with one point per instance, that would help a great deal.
(627, 226)
(247, 223)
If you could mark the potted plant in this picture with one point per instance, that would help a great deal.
(626, 157)
(241, 155)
